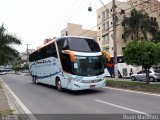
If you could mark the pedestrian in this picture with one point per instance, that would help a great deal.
(131, 71)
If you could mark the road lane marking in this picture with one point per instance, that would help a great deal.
(26, 110)
(132, 91)
(125, 108)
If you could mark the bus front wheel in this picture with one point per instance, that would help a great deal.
(58, 85)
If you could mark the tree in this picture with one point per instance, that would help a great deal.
(138, 24)
(7, 53)
(142, 53)
(156, 37)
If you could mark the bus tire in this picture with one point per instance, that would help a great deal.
(59, 85)
(36, 80)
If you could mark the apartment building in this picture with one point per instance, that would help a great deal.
(105, 23)
(105, 27)
(147, 5)
(77, 30)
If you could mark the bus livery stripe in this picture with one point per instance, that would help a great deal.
(42, 77)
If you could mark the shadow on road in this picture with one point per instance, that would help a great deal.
(76, 93)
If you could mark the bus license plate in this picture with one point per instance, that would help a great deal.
(92, 86)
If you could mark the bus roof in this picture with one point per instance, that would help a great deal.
(56, 39)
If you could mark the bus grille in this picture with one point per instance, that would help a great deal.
(91, 81)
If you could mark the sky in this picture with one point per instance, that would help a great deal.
(35, 20)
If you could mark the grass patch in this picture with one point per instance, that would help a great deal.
(6, 112)
(139, 86)
(27, 74)
(18, 73)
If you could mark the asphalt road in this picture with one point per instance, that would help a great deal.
(43, 99)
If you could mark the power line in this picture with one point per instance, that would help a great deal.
(67, 13)
(111, 17)
(117, 25)
(97, 24)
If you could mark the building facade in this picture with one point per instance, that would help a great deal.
(105, 23)
(77, 30)
(47, 41)
(24, 56)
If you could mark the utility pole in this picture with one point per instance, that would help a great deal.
(27, 52)
(114, 39)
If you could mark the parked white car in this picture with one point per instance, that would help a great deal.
(154, 75)
(2, 73)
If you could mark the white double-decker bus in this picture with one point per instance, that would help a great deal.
(74, 63)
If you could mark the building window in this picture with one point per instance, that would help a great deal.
(123, 48)
(123, 23)
(141, 27)
(142, 38)
(111, 23)
(106, 49)
(105, 15)
(122, 36)
(105, 27)
(99, 39)
(99, 28)
(105, 39)
(112, 35)
(155, 19)
(98, 16)
(66, 33)
(122, 11)
(132, 37)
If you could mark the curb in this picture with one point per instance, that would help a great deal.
(22, 112)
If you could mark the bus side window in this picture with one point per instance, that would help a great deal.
(51, 51)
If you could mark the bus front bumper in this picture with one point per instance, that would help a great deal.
(84, 86)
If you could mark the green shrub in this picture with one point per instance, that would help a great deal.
(140, 86)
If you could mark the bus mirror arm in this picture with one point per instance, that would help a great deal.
(70, 53)
(107, 55)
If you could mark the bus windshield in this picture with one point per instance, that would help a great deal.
(88, 66)
(83, 45)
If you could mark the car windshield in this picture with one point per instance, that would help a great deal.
(157, 70)
(88, 66)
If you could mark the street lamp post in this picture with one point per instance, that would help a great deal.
(114, 39)
(114, 18)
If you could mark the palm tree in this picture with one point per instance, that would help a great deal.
(7, 53)
(138, 24)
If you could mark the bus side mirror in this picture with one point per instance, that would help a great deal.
(65, 48)
(108, 57)
(70, 54)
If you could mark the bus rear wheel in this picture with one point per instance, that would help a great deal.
(36, 80)
(58, 85)
(33, 79)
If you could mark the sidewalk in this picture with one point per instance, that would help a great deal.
(10, 107)
(4, 106)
